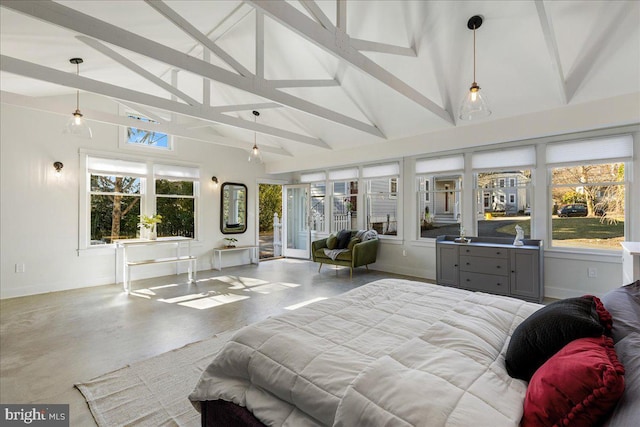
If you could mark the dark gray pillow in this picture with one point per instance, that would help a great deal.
(627, 411)
(549, 329)
(344, 237)
(624, 306)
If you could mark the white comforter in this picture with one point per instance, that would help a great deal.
(393, 352)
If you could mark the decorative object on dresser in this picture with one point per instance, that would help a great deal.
(492, 264)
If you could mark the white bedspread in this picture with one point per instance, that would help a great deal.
(393, 352)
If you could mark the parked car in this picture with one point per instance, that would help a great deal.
(576, 209)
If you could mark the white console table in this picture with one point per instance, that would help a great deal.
(123, 260)
(630, 262)
(254, 256)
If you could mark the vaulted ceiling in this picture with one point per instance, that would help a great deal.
(326, 76)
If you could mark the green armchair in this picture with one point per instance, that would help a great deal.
(358, 253)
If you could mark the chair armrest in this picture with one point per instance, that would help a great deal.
(365, 253)
(317, 244)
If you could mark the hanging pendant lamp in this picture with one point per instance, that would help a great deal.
(77, 125)
(474, 105)
(254, 155)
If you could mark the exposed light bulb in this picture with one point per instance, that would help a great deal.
(77, 118)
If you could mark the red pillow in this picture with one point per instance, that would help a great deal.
(576, 386)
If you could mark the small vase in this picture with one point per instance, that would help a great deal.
(153, 234)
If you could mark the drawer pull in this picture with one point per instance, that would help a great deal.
(497, 266)
(498, 284)
(468, 280)
(498, 253)
(455, 265)
(468, 263)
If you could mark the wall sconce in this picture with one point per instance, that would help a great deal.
(58, 166)
(214, 179)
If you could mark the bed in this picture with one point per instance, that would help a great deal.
(393, 352)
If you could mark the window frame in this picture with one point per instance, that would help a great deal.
(147, 193)
(123, 140)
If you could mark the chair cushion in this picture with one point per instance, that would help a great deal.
(332, 241)
(343, 239)
(354, 241)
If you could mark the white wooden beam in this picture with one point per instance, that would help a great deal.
(197, 35)
(54, 106)
(58, 14)
(341, 15)
(312, 7)
(552, 47)
(136, 68)
(143, 111)
(245, 107)
(336, 44)
(303, 83)
(39, 72)
(259, 44)
(370, 46)
(206, 83)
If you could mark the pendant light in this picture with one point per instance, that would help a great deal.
(254, 155)
(474, 105)
(77, 125)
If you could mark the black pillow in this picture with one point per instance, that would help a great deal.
(624, 305)
(344, 237)
(549, 329)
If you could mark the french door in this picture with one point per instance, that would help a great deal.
(296, 234)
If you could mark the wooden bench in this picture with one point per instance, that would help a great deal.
(192, 260)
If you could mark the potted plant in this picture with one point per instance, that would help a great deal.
(230, 242)
(148, 223)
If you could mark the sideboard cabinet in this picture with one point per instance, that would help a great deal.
(493, 265)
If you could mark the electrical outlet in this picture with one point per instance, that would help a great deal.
(592, 272)
(20, 268)
(404, 252)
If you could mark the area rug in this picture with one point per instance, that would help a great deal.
(153, 392)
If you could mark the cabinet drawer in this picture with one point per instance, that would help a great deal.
(477, 264)
(485, 252)
(485, 282)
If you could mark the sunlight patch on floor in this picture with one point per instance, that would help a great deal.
(271, 287)
(303, 303)
(238, 282)
(173, 285)
(214, 301)
(183, 298)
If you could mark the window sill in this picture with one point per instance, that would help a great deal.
(614, 256)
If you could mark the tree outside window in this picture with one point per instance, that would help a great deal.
(175, 201)
(588, 206)
(115, 208)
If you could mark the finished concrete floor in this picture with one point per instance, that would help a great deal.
(49, 342)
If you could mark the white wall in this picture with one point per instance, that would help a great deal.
(565, 270)
(39, 212)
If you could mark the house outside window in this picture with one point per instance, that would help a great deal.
(439, 196)
(589, 193)
(500, 207)
(344, 199)
(318, 193)
(381, 198)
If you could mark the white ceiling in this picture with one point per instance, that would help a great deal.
(532, 56)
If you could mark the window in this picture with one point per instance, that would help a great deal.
(588, 194)
(439, 195)
(500, 208)
(344, 206)
(175, 190)
(119, 191)
(115, 207)
(146, 138)
(382, 197)
(318, 192)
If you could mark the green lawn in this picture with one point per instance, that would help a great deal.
(576, 227)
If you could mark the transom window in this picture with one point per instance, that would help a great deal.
(137, 136)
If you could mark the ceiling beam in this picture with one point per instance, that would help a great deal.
(337, 43)
(136, 69)
(50, 105)
(552, 47)
(245, 107)
(197, 35)
(341, 15)
(58, 14)
(39, 72)
(312, 7)
(303, 83)
(259, 44)
(370, 46)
